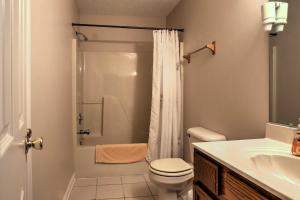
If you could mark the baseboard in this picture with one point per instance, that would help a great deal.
(69, 188)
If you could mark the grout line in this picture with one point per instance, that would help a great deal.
(149, 188)
(98, 180)
(81, 186)
(123, 190)
(96, 196)
(110, 184)
(148, 184)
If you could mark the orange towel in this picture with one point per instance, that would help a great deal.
(120, 153)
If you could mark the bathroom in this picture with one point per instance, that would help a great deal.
(87, 84)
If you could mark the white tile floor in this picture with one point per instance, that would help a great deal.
(137, 187)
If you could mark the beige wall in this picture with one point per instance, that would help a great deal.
(228, 92)
(51, 96)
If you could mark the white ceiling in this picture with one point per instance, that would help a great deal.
(147, 8)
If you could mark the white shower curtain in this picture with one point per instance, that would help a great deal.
(166, 131)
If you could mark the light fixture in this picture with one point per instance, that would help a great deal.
(281, 16)
(269, 15)
(275, 15)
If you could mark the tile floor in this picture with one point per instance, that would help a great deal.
(137, 187)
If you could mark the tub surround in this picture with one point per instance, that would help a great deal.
(267, 163)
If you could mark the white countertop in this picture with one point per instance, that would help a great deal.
(249, 158)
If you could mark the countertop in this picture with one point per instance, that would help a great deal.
(239, 156)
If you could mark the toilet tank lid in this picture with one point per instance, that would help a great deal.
(205, 135)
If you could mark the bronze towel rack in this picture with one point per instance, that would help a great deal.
(211, 46)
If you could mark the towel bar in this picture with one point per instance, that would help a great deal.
(211, 46)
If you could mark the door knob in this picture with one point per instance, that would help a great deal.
(29, 143)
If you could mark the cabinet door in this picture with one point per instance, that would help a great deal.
(207, 173)
(199, 194)
(235, 189)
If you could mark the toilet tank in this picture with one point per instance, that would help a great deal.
(200, 134)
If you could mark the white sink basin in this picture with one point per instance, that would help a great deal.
(284, 167)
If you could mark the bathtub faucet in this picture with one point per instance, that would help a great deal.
(84, 132)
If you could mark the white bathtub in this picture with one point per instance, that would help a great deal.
(85, 165)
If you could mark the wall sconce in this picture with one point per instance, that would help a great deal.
(275, 15)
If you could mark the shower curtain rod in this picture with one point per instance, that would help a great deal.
(126, 27)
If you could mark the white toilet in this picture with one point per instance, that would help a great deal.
(173, 176)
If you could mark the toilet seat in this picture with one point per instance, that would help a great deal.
(171, 174)
(171, 167)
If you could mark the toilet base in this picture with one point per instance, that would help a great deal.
(167, 195)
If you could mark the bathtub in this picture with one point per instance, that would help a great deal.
(85, 165)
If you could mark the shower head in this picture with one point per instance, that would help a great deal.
(81, 36)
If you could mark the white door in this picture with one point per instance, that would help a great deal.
(15, 164)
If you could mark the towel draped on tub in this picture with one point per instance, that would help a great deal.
(120, 153)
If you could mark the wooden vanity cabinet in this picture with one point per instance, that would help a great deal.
(199, 194)
(214, 181)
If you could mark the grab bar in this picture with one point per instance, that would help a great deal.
(102, 117)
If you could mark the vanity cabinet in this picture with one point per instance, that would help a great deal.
(214, 181)
(199, 194)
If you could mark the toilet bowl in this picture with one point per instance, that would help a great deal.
(173, 176)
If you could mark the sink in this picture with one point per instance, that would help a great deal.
(284, 167)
